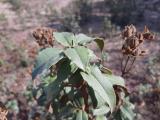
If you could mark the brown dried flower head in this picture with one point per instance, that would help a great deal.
(133, 40)
(147, 34)
(129, 31)
(44, 36)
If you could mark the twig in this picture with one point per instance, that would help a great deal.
(125, 66)
(131, 65)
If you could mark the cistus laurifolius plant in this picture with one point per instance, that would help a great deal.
(74, 85)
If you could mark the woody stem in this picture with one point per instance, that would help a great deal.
(131, 64)
(125, 66)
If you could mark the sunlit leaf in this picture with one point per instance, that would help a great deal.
(79, 56)
(82, 39)
(115, 80)
(64, 38)
(101, 85)
(101, 117)
(47, 80)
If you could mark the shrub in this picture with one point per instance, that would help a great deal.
(75, 85)
(109, 27)
(125, 12)
(76, 15)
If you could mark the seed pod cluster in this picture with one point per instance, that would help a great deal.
(133, 39)
(44, 37)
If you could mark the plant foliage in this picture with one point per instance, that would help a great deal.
(74, 83)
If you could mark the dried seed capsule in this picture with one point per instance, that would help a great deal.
(133, 29)
(140, 37)
(148, 36)
(142, 53)
(44, 37)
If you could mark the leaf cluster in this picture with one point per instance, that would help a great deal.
(75, 85)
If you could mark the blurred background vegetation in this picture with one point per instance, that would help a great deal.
(103, 18)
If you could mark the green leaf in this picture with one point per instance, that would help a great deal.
(100, 43)
(63, 73)
(106, 85)
(100, 100)
(101, 117)
(79, 56)
(105, 70)
(52, 90)
(12, 105)
(115, 80)
(82, 39)
(127, 110)
(92, 56)
(69, 39)
(47, 80)
(79, 100)
(101, 85)
(101, 111)
(73, 67)
(45, 59)
(81, 115)
(64, 38)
